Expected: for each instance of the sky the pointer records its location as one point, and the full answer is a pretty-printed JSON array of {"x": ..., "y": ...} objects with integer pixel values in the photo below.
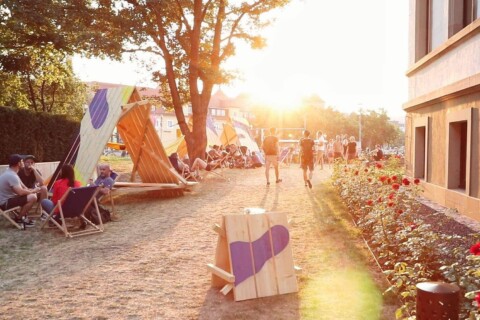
[{"x": 352, "y": 54}]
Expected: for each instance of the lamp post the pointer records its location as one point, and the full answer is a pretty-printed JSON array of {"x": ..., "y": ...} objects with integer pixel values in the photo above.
[{"x": 360, "y": 127}]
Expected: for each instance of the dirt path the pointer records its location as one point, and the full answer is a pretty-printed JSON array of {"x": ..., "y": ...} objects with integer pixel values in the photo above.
[{"x": 151, "y": 264}]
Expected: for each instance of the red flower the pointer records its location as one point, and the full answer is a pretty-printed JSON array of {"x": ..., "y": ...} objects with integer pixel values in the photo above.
[
  {"x": 405, "y": 181},
  {"x": 475, "y": 249},
  {"x": 395, "y": 186},
  {"x": 413, "y": 226},
  {"x": 477, "y": 298},
  {"x": 369, "y": 202},
  {"x": 399, "y": 211},
  {"x": 346, "y": 169},
  {"x": 391, "y": 196},
  {"x": 379, "y": 165},
  {"x": 366, "y": 170},
  {"x": 369, "y": 179},
  {"x": 389, "y": 180},
  {"x": 391, "y": 204},
  {"x": 379, "y": 199},
  {"x": 416, "y": 181},
  {"x": 394, "y": 178},
  {"x": 382, "y": 178},
  {"x": 356, "y": 172}
]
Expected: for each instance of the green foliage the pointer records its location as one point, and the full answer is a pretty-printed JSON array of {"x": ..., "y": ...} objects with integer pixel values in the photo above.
[
  {"x": 45, "y": 136},
  {"x": 194, "y": 39},
  {"x": 385, "y": 207}
]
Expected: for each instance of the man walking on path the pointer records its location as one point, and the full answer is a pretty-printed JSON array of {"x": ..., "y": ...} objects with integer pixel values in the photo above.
[
  {"x": 270, "y": 147},
  {"x": 307, "y": 146}
]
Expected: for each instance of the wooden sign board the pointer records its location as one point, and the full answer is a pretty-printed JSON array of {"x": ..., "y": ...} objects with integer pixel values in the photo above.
[{"x": 254, "y": 256}]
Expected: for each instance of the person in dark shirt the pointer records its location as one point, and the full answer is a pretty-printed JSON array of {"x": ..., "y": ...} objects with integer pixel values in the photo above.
[
  {"x": 307, "y": 147},
  {"x": 270, "y": 148},
  {"x": 32, "y": 178}
]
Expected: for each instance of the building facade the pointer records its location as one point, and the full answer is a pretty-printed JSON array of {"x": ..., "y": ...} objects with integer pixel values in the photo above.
[{"x": 442, "y": 111}]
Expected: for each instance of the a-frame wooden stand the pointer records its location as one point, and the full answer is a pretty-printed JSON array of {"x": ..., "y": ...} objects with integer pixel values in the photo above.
[{"x": 254, "y": 256}]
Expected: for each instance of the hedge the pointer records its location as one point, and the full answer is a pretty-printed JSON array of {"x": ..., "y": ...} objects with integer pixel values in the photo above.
[{"x": 46, "y": 136}]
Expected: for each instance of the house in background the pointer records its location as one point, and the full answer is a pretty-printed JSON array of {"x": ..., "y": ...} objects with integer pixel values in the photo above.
[{"x": 442, "y": 122}]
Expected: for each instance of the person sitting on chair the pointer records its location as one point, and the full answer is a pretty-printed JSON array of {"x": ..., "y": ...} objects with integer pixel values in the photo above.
[
  {"x": 13, "y": 193},
  {"x": 255, "y": 161},
  {"x": 104, "y": 180},
  {"x": 66, "y": 181},
  {"x": 31, "y": 177}
]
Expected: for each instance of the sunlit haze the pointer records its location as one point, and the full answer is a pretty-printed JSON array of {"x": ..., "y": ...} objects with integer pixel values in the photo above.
[{"x": 352, "y": 54}]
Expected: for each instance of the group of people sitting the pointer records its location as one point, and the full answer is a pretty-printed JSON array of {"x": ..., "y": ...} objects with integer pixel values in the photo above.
[
  {"x": 218, "y": 156},
  {"x": 23, "y": 185}
]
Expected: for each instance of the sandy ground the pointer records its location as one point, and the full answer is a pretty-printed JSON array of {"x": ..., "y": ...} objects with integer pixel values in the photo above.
[{"x": 151, "y": 264}]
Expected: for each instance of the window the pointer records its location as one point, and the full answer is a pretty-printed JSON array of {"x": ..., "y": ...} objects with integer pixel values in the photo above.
[
  {"x": 437, "y": 23},
  {"x": 420, "y": 148},
  {"x": 458, "y": 151}
]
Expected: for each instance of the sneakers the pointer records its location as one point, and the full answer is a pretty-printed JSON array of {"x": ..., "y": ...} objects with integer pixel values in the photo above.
[
  {"x": 278, "y": 181},
  {"x": 25, "y": 221},
  {"x": 309, "y": 184},
  {"x": 268, "y": 183},
  {"x": 43, "y": 216}
]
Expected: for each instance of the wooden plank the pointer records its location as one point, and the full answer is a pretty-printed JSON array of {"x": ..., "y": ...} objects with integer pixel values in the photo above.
[
  {"x": 265, "y": 277},
  {"x": 145, "y": 184},
  {"x": 226, "y": 289},
  {"x": 283, "y": 257},
  {"x": 222, "y": 259},
  {"x": 241, "y": 258},
  {"x": 221, "y": 273}
]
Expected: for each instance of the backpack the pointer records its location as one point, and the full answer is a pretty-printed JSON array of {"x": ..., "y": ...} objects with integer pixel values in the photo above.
[{"x": 104, "y": 214}]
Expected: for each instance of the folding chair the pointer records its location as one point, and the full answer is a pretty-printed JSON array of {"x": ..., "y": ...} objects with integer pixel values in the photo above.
[
  {"x": 219, "y": 164},
  {"x": 6, "y": 214},
  {"x": 283, "y": 156},
  {"x": 186, "y": 175},
  {"x": 74, "y": 204}
]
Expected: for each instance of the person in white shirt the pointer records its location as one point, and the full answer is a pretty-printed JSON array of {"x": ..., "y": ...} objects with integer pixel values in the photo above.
[{"x": 322, "y": 142}]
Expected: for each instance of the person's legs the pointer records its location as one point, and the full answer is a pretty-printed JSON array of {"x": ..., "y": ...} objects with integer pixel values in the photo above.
[
  {"x": 47, "y": 205},
  {"x": 320, "y": 159},
  {"x": 268, "y": 162},
  {"x": 43, "y": 194},
  {"x": 310, "y": 167},
  {"x": 31, "y": 199}
]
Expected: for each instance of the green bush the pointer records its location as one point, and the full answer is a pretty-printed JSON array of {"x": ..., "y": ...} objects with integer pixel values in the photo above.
[{"x": 46, "y": 136}]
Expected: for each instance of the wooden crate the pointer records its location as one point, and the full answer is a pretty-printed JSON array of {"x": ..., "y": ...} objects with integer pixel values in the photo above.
[{"x": 254, "y": 256}]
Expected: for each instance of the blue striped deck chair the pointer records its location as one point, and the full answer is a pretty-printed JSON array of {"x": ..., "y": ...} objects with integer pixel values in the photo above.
[
  {"x": 74, "y": 204},
  {"x": 282, "y": 157}
]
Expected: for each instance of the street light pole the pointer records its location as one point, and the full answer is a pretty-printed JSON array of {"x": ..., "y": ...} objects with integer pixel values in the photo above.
[{"x": 360, "y": 127}]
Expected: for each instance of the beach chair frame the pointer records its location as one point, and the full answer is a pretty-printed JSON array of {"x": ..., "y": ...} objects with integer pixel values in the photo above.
[
  {"x": 74, "y": 204},
  {"x": 6, "y": 213}
]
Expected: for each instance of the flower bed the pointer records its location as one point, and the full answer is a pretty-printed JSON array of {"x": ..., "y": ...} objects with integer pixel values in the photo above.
[{"x": 410, "y": 241}]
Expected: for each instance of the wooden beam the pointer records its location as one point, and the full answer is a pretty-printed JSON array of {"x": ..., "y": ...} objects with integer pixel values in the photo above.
[
  {"x": 221, "y": 273},
  {"x": 226, "y": 289}
]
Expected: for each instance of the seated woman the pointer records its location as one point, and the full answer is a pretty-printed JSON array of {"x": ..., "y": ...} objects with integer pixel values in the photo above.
[{"x": 66, "y": 181}]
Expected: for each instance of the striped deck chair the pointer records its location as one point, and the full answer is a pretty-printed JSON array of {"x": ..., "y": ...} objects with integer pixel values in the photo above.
[
  {"x": 74, "y": 204},
  {"x": 283, "y": 156}
]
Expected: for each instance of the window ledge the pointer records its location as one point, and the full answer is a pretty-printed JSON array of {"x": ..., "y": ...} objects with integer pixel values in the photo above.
[{"x": 454, "y": 41}]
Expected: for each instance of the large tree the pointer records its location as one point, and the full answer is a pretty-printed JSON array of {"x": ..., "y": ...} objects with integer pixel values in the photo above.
[
  {"x": 36, "y": 40},
  {"x": 193, "y": 38}
]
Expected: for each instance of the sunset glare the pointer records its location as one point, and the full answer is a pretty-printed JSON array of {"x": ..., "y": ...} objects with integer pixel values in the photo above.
[{"x": 349, "y": 53}]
